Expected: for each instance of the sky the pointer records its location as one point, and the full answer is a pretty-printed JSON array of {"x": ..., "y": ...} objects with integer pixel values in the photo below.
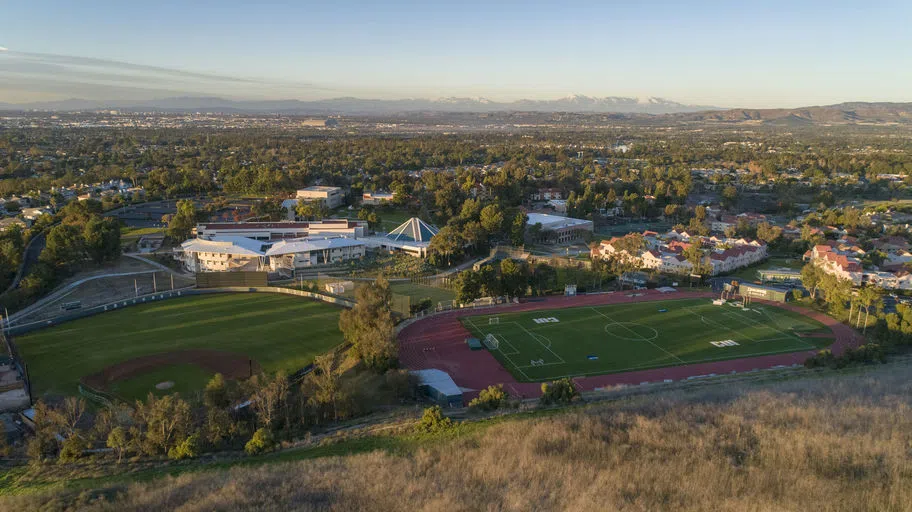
[{"x": 730, "y": 54}]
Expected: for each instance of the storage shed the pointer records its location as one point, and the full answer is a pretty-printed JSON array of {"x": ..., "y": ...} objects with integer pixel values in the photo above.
[{"x": 439, "y": 386}]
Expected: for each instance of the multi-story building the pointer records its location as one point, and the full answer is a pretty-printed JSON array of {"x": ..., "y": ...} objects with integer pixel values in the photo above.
[{"x": 332, "y": 197}]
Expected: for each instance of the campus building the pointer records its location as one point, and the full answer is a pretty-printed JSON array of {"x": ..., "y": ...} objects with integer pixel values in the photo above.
[
  {"x": 411, "y": 237},
  {"x": 237, "y": 253},
  {"x": 560, "y": 230},
  {"x": 376, "y": 198},
  {"x": 332, "y": 197}
]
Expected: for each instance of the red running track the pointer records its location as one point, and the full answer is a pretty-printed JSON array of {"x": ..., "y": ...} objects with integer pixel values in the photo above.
[{"x": 439, "y": 342}]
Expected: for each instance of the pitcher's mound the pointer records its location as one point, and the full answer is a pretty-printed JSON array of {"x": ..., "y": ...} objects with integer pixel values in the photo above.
[{"x": 168, "y": 384}]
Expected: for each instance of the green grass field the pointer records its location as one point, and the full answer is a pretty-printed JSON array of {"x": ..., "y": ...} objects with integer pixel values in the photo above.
[
  {"x": 543, "y": 345},
  {"x": 278, "y": 331}
]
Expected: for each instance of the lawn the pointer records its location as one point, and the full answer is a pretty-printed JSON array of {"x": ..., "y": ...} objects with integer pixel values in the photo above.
[
  {"x": 129, "y": 232},
  {"x": 544, "y": 345},
  {"x": 420, "y": 291},
  {"x": 278, "y": 331}
]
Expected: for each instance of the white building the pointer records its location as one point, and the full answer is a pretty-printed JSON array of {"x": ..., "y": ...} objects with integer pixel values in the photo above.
[
  {"x": 307, "y": 252},
  {"x": 557, "y": 229},
  {"x": 332, "y": 197},
  {"x": 237, "y": 253},
  {"x": 376, "y": 198},
  {"x": 411, "y": 237},
  {"x": 226, "y": 254}
]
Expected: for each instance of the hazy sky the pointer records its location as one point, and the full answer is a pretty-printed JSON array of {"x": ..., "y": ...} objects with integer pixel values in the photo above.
[{"x": 732, "y": 53}]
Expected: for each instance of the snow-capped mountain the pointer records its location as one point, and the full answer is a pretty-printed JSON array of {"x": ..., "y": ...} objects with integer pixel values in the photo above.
[{"x": 575, "y": 103}]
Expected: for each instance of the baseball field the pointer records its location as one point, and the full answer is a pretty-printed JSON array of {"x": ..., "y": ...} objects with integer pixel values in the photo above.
[
  {"x": 178, "y": 344},
  {"x": 548, "y": 344}
]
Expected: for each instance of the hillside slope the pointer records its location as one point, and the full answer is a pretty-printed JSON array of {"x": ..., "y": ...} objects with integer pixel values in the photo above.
[
  {"x": 843, "y": 113},
  {"x": 838, "y": 442}
]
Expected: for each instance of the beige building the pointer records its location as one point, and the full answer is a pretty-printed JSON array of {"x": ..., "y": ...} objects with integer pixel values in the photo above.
[{"x": 332, "y": 197}]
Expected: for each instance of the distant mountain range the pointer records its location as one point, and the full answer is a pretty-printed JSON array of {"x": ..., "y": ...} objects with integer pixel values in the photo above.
[
  {"x": 357, "y": 106},
  {"x": 656, "y": 109},
  {"x": 842, "y": 113}
]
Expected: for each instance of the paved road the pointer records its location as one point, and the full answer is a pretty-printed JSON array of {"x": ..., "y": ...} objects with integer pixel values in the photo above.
[{"x": 29, "y": 259}]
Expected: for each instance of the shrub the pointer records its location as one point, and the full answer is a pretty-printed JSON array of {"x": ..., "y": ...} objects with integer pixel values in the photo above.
[
  {"x": 822, "y": 359},
  {"x": 261, "y": 441},
  {"x": 559, "y": 392},
  {"x": 187, "y": 449},
  {"x": 490, "y": 399},
  {"x": 433, "y": 420}
]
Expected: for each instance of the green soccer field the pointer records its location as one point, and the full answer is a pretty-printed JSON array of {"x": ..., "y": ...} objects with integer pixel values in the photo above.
[
  {"x": 278, "y": 331},
  {"x": 543, "y": 345}
]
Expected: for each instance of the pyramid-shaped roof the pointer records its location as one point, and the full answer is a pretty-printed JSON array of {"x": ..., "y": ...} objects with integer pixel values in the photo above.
[{"x": 413, "y": 230}]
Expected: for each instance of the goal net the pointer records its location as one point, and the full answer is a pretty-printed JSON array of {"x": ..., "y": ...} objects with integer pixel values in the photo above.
[
  {"x": 494, "y": 320},
  {"x": 491, "y": 342}
]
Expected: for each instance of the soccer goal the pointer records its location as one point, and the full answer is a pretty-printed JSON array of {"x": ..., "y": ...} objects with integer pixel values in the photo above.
[
  {"x": 491, "y": 342},
  {"x": 494, "y": 320}
]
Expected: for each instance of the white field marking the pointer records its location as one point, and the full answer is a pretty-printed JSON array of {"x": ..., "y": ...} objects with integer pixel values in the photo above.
[
  {"x": 650, "y": 366},
  {"x": 548, "y": 320},
  {"x": 710, "y": 322},
  {"x": 513, "y": 364},
  {"x": 561, "y": 359},
  {"x": 540, "y": 365},
  {"x": 635, "y": 334},
  {"x": 543, "y": 337},
  {"x": 781, "y": 332},
  {"x": 724, "y": 343}
]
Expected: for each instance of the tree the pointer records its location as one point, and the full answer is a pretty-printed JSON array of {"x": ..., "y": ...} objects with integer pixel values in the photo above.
[
  {"x": 810, "y": 278},
  {"x": 768, "y": 233},
  {"x": 311, "y": 209},
  {"x": 269, "y": 398},
  {"x": 492, "y": 219},
  {"x": 102, "y": 239},
  {"x": 518, "y": 229},
  {"x": 189, "y": 448},
  {"x": 468, "y": 286},
  {"x": 183, "y": 222},
  {"x": 269, "y": 209},
  {"x": 869, "y": 297},
  {"x": 369, "y": 325},
  {"x": 325, "y": 380},
  {"x": 730, "y": 196},
  {"x": 445, "y": 246},
  {"x": 63, "y": 247},
  {"x": 119, "y": 441},
  {"x": 215, "y": 394},
  {"x": 515, "y": 277},
  {"x": 165, "y": 420}
]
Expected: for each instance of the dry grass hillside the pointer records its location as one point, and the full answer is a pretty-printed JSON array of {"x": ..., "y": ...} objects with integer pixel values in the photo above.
[{"x": 823, "y": 444}]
